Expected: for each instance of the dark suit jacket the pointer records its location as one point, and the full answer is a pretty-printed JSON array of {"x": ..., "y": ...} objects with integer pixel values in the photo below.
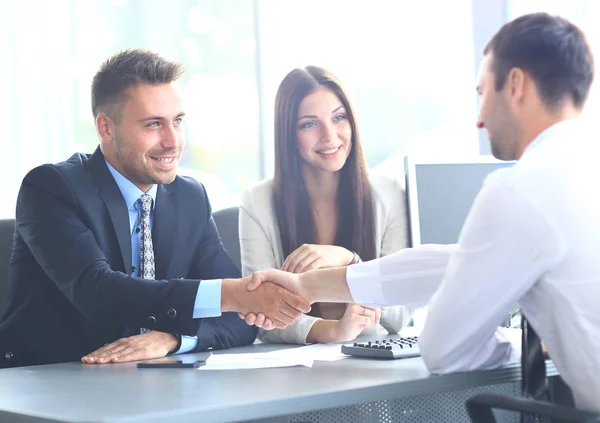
[{"x": 69, "y": 286}]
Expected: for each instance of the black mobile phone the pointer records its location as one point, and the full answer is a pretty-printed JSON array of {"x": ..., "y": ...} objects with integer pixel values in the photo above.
[
  {"x": 170, "y": 364},
  {"x": 192, "y": 362}
]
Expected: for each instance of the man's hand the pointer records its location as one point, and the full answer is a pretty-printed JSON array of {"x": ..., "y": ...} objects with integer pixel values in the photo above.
[
  {"x": 278, "y": 304},
  {"x": 289, "y": 281},
  {"x": 146, "y": 346},
  {"x": 317, "y": 285},
  {"x": 313, "y": 256}
]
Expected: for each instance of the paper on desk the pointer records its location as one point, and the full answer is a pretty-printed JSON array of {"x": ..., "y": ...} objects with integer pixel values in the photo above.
[
  {"x": 317, "y": 352},
  {"x": 252, "y": 361}
]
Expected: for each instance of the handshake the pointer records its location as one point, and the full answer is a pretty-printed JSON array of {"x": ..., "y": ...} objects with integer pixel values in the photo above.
[{"x": 274, "y": 298}]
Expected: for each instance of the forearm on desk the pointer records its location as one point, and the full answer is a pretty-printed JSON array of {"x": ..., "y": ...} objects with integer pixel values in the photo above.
[{"x": 395, "y": 318}]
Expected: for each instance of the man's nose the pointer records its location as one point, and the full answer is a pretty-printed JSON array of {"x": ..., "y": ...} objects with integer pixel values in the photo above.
[{"x": 170, "y": 138}]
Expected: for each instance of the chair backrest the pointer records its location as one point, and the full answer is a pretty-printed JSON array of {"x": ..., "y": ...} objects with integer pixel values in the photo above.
[
  {"x": 228, "y": 227},
  {"x": 7, "y": 228}
]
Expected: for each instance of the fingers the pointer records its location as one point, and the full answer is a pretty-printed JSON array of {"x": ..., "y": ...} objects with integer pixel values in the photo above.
[
  {"x": 260, "y": 320},
  {"x": 373, "y": 313},
  {"x": 285, "y": 307},
  {"x": 268, "y": 325},
  {"x": 250, "y": 318},
  {"x": 103, "y": 354},
  {"x": 290, "y": 262},
  {"x": 312, "y": 262},
  {"x": 377, "y": 315},
  {"x": 298, "y": 304},
  {"x": 150, "y": 345},
  {"x": 257, "y": 278}
]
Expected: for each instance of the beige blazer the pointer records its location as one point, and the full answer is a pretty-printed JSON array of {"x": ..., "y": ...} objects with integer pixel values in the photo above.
[{"x": 260, "y": 245}]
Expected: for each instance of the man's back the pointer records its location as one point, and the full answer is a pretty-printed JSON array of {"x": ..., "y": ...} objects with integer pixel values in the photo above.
[{"x": 559, "y": 176}]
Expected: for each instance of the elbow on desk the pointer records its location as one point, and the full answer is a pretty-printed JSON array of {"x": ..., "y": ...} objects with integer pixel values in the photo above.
[{"x": 439, "y": 358}]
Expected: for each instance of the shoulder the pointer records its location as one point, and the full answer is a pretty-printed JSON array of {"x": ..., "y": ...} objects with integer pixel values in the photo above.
[
  {"x": 187, "y": 184},
  {"x": 259, "y": 196},
  {"x": 187, "y": 193},
  {"x": 72, "y": 169}
]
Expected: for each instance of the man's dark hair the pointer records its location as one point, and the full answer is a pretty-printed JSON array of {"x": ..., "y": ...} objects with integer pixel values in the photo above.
[
  {"x": 552, "y": 50},
  {"x": 124, "y": 69}
]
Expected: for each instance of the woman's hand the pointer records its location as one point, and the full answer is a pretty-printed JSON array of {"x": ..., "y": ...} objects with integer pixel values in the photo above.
[
  {"x": 354, "y": 321},
  {"x": 313, "y": 256}
]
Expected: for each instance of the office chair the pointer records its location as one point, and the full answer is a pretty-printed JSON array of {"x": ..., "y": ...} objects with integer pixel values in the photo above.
[
  {"x": 228, "y": 227},
  {"x": 534, "y": 384},
  {"x": 7, "y": 228},
  {"x": 480, "y": 409}
]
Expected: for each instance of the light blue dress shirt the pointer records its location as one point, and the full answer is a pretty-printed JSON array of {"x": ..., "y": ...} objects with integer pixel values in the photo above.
[{"x": 208, "y": 297}]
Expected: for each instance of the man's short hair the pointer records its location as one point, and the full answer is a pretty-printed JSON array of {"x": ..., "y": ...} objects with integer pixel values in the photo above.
[
  {"x": 552, "y": 50},
  {"x": 124, "y": 69}
]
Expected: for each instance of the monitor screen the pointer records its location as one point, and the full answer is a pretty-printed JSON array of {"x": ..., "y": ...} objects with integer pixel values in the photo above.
[{"x": 441, "y": 194}]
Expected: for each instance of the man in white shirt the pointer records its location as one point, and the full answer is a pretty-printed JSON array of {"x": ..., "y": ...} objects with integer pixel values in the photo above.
[{"x": 531, "y": 236}]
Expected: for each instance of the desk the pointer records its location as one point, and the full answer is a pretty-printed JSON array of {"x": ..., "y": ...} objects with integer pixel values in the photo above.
[{"x": 349, "y": 390}]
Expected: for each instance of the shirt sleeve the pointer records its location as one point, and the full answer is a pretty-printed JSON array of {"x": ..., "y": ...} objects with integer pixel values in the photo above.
[
  {"x": 505, "y": 246},
  {"x": 208, "y": 299},
  {"x": 395, "y": 238},
  {"x": 188, "y": 343},
  {"x": 207, "y": 304},
  {"x": 409, "y": 277}
]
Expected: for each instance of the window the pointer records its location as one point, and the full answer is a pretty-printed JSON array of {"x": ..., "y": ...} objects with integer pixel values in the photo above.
[{"x": 408, "y": 71}]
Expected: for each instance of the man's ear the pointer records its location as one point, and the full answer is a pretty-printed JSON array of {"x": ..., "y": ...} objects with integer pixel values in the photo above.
[
  {"x": 516, "y": 83},
  {"x": 106, "y": 128}
]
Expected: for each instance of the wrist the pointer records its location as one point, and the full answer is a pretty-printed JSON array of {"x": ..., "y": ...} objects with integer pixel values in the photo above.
[
  {"x": 177, "y": 345},
  {"x": 309, "y": 282},
  {"x": 323, "y": 331},
  {"x": 229, "y": 291},
  {"x": 355, "y": 258},
  {"x": 348, "y": 257}
]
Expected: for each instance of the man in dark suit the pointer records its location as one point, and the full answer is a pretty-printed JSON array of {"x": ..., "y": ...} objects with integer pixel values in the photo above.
[{"x": 116, "y": 258}]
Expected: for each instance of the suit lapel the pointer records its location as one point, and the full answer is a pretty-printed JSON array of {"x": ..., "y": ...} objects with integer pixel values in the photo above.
[
  {"x": 115, "y": 204},
  {"x": 164, "y": 230}
]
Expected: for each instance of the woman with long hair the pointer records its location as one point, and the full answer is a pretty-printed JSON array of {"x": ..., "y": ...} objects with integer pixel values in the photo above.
[{"x": 321, "y": 208}]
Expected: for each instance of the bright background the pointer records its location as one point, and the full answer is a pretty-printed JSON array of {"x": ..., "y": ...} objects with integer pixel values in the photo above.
[{"x": 410, "y": 69}]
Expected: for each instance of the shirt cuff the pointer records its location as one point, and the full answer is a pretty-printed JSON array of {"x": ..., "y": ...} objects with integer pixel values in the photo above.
[
  {"x": 188, "y": 343},
  {"x": 364, "y": 282},
  {"x": 208, "y": 299}
]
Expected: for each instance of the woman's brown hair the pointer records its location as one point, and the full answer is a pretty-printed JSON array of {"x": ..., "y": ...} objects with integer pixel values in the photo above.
[{"x": 355, "y": 227}]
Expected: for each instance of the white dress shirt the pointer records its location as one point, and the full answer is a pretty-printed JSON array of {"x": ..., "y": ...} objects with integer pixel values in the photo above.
[
  {"x": 261, "y": 245},
  {"x": 533, "y": 236}
]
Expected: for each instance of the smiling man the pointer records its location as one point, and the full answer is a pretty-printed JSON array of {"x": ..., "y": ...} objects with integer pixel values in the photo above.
[{"x": 115, "y": 257}]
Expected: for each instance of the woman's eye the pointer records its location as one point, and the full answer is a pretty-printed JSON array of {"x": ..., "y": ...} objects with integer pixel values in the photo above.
[{"x": 307, "y": 125}]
